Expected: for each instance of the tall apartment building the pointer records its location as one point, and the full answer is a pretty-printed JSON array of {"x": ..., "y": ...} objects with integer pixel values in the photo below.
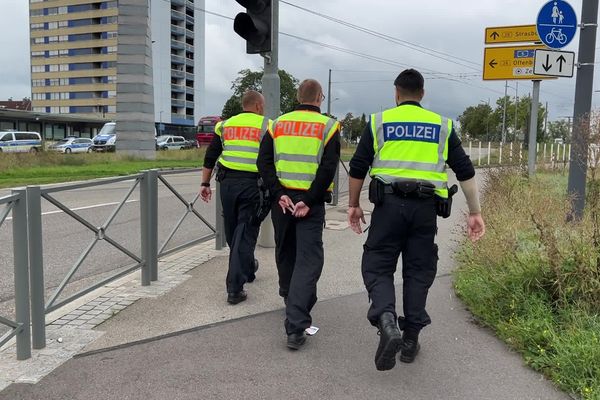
[{"x": 74, "y": 56}]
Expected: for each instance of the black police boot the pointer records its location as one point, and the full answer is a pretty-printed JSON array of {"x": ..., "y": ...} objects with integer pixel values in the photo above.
[
  {"x": 235, "y": 298},
  {"x": 410, "y": 348},
  {"x": 296, "y": 340},
  {"x": 390, "y": 341},
  {"x": 252, "y": 277}
]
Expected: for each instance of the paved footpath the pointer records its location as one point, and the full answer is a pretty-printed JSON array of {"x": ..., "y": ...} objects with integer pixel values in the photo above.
[{"x": 179, "y": 339}]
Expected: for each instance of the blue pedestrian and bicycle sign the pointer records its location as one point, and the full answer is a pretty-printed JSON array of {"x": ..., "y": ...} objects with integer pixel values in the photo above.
[{"x": 557, "y": 24}]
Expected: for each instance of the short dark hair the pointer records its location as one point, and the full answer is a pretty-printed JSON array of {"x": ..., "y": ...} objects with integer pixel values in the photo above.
[{"x": 410, "y": 81}]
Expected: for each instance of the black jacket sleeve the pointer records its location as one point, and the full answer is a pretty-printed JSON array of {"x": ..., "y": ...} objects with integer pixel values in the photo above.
[
  {"x": 213, "y": 152},
  {"x": 458, "y": 160},
  {"x": 325, "y": 172},
  {"x": 363, "y": 156},
  {"x": 266, "y": 167}
]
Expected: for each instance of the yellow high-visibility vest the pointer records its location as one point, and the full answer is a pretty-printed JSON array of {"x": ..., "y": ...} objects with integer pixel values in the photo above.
[
  {"x": 299, "y": 140},
  {"x": 241, "y": 136},
  {"x": 411, "y": 143}
]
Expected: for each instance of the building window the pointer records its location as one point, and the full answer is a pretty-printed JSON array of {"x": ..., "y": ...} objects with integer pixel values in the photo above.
[
  {"x": 112, "y": 20},
  {"x": 37, "y": 27},
  {"x": 81, "y": 22},
  {"x": 63, "y": 38},
  {"x": 52, "y": 11},
  {"x": 37, "y": 54},
  {"x": 63, "y": 52},
  {"x": 36, "y": 13},
  {"x": 112, "y": 4},
  {"x": 112, "y": 109},
  {"x": 111, "y": 35},
  {"x": 63, "y": 24},
  {"x": 52, "y": 25},
  {"x": 63, "y": 67},
  {"x": 111, "y": 49},
  {"x": 38, "y": 68},
  {"x": 54, "y": 110},
  {"x": 53, "y": 67},
  {"x": 112, "y": 93},
  {"x": 39, "y": 109},
  {"x": 64, "y": 81},
  {"x": 38, "y": 82},
  {"x": 112, "y": 79},
  {"x": 52, "y": 39},
  {"x": 63, "y": 10},
  {"x": 64, "y": 96},
  {"x": 52, "y": 53},
  {"x": 64, "y": 110},
  {"x": 38, "y": 40},
  {"x": 53, "y": 82},
  {"x": 39, "y": 96}
]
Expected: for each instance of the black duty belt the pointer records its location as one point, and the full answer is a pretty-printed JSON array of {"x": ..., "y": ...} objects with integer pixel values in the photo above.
[{"x": 410, "y": 189}]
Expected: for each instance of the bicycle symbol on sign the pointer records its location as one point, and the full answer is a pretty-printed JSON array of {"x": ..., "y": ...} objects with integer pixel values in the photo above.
[{"x": 556, "y": 34}]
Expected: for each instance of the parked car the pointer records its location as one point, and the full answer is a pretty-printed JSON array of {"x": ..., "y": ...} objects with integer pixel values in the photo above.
[
  {"x": 169, "y": 142},
  {"x": 20, "y": 142},
  {"x": 105, "y": 139},
  {"x": 72, "y": 145}
]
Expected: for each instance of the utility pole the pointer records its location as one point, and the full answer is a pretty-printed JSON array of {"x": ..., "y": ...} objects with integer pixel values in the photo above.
[
  {"x": 546, "y": 121},
  {"x": 271, "y": 85},
  {"x": 336, "y": 179},
  {"x": 533, "y": 122},
  {"x": 583, "y": 104},
  {"x": 504, "y": 112},
  {"x": 516, "y": 108}
]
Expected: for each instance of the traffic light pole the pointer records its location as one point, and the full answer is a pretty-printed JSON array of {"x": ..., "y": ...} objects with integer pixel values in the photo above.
[
  {"x": 583, "y": 104},
  {"x": 272, "y": 91}
]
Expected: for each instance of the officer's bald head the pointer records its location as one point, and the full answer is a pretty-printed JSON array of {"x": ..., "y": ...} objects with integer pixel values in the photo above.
[
  {"x": 254, "y": 102},
  {"x": 410, "y": 85},
  {"x": 310, "y": 92}
]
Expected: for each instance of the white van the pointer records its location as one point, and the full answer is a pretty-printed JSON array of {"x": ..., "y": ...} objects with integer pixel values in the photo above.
[{"x": 20, "y": 142}]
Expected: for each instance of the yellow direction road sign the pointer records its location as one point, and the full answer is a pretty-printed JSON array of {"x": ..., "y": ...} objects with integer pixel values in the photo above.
[
  {"x": 511, "y": 34},
  {"x": 508, "y": 63}
]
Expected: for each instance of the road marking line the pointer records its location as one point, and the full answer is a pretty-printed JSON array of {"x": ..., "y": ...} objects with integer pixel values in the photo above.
[{"x": 83, "y": 208}]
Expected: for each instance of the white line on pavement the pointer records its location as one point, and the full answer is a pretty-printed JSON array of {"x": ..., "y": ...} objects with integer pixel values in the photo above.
[{"x": 84, "y": 208}]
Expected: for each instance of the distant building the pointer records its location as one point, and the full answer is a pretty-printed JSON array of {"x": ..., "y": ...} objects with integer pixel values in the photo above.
[
  {"x": 74, "y": 57},
  {"x": 10, "y": 104}
]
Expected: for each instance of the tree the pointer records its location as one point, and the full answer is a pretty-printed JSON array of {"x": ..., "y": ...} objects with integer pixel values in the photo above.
[
  {"x": 252, "y": 80},
  {"x": 559, "y": 130},
  {"x": 475, "y": 120}
]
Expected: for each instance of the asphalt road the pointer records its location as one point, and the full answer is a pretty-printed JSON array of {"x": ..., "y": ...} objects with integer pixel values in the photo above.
[{"x": 64, "y": 239}]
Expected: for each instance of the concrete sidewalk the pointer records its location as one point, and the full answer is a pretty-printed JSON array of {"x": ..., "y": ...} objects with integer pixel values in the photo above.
[{"x": 188, "y": 343}]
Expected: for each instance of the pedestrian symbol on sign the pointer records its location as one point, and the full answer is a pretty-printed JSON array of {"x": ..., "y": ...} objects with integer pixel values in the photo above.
[{"x": 556, "y": 24}]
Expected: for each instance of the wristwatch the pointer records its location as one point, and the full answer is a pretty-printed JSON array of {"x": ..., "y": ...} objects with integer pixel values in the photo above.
[{"x": 205, "y": 184}]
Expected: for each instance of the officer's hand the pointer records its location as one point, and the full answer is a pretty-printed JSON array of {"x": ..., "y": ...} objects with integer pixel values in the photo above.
[
  {"x": 355, "y": 216},
  {"x": 205, "y": 193},
  {"x": 476, "y": 227},
  {"x": 286, "y": 204},
  {"x": 301, "y": 210}
]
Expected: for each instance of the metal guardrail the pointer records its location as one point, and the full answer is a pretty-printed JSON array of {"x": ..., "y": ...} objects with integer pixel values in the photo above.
[
  {"x": 25, "y": 205},
  {"x": 16, "y": 205}
]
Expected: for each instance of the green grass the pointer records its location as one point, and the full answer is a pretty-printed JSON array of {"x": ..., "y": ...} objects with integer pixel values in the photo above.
[
  {"x": 535, "y": 279},
  {"x": 45, "y": 167}
]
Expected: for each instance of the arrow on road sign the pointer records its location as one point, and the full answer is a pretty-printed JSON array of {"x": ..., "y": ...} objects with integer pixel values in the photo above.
[
  {"x": 493, "y": 63},
  {"x": 561, "y": 60},
  {"x": 494, "y": 35},
  {"x": 554, "y": 63},
  {"x": 547, "y": 66}
]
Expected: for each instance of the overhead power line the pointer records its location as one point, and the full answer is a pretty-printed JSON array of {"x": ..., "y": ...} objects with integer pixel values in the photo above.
[{"x": 422, "y": 49}]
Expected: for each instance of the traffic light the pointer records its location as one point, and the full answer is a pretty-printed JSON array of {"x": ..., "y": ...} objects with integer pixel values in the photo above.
[{"x": 255, "y": 25}]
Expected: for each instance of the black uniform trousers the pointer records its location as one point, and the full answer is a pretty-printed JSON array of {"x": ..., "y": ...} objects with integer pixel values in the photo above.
[
  {"x": 239, "y": 197},
  {"x": 404, "y": 226},
  {"x": 299, "y": 257}
]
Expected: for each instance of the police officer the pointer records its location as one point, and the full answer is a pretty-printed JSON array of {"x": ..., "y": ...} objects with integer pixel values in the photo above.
[
  {"x": 406, "y": 149},
  {"x": 297, "y": 161},
  {"x": 235, "y": 146}
]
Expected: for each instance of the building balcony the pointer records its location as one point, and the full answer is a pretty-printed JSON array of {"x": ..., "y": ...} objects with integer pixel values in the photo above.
[
  {"x": 189, "y": 20},
  {"x": 178, "y": 2},
  {"x": 189, "y": 61},
  {"x": 176, "y": 44},
  {"x": 177, "y": 15},
  {"x": 189, "y": 104},
  {"x": 177, "y": 59},
  {"x": 189, "y": 47},
  {"x": 189, "y": 33},
  {"x": 177, "y": 30},
  {"x": 177, "y": 88},
  {"x": 189, "y": 76},
  {"x": 175, "y": 73},
  {"x": 177, "y": 103}
]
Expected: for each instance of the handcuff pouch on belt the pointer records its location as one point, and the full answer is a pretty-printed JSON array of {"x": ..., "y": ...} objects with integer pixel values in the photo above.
[
  {"x": 263, "y": 206},
  {"x": 443, "y": 207},
  {"x": 219, "y": 173}
]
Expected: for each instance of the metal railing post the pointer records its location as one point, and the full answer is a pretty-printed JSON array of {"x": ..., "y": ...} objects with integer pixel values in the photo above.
[
  {"x": 336, "y": 187},
  {"x": 36, "y": 267},
  {"x": 220, "y": 240},
  {"x": 21, "y": 265},
  {"x": 149, "y": 226}
]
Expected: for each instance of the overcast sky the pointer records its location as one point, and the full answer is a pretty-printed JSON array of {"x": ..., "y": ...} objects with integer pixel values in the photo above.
[{"x": 360, "y": 85}]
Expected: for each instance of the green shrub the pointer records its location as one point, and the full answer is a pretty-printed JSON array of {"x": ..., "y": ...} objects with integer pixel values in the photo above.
[{"x": 535, "y": 278}]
